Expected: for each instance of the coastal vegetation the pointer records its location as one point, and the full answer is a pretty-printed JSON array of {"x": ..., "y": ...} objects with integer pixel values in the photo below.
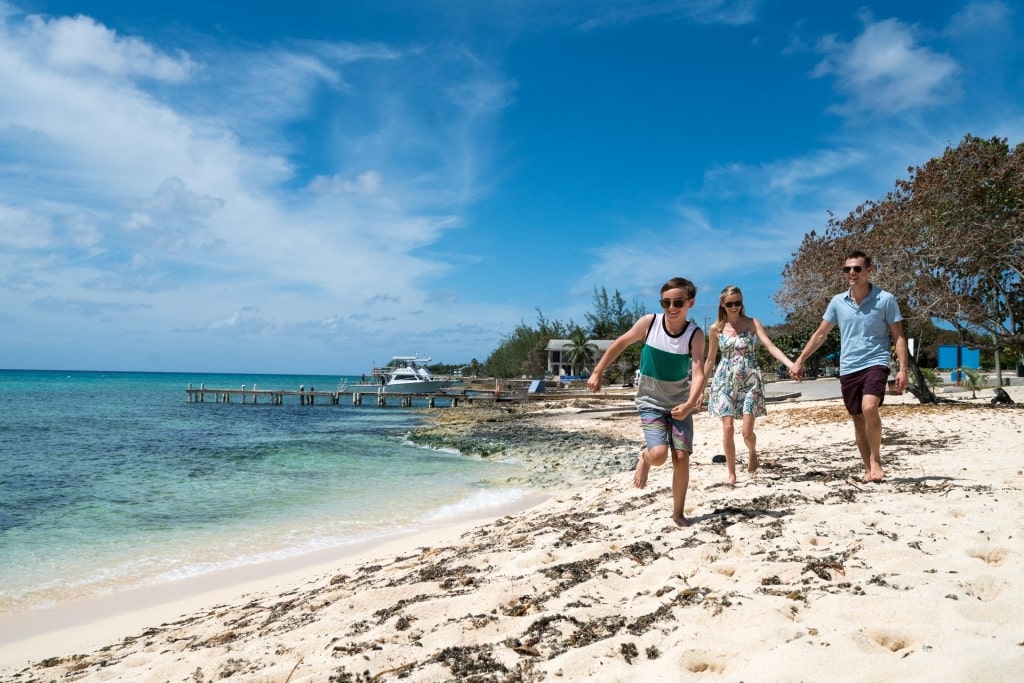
[
  {"x": 948, "y": 241},
  {"x": 524, "y": 351}
]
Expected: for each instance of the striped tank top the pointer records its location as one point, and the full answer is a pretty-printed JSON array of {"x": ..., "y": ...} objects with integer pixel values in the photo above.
[{"x": 664, "y": 366}]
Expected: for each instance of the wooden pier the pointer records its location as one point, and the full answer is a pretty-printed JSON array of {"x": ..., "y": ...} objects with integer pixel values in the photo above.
[{"x": 309, "y": 397}]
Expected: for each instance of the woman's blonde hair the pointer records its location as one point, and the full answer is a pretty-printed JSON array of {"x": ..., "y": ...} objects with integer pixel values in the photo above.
[{"x": 729, "y": 291}]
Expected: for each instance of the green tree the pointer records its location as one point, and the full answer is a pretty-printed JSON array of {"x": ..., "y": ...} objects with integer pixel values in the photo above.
[
  {"x": 948, "y": 242},
  {"x": 580, "y": 350},
  {"x": 931, "y": 378},
  {"x": 523, "y": 352},
  {"x": 974, "y": 380},
  {"x": 611, "y": 316}
]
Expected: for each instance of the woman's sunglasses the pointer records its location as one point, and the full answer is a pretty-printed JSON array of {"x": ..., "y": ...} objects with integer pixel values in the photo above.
[
  {"x": 732, "y": 304},
  {"x": 673, "y": 303}
]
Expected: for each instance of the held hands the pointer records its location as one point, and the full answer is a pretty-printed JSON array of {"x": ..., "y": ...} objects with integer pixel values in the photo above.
[{"x": 796, "y": 371}]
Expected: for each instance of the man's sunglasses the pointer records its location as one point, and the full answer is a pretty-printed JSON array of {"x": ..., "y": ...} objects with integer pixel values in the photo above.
[
  {"x": 856, "y": 269},
  {"x": 673, "y": 303}
]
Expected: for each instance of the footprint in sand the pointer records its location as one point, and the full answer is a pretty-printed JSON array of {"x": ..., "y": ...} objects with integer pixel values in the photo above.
[
  {"x": 993, "y": 556},
  {"x": 893, "y": 641},
  {"x": 985, "y": 588},
  {"x": 819, "y": 541},
  {"x": 702, "y": 662}
]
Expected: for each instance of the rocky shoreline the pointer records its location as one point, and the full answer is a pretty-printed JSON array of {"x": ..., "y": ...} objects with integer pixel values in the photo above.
[{"x": 558, "y": 444}]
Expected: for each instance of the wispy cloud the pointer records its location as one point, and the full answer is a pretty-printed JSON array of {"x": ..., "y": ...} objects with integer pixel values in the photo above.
[
  {"x": 786, "y": 178},
  {"x": 980, "y": 19},
  {"x": 726, "y": 12},
  {"x": 84, "y": 308}
]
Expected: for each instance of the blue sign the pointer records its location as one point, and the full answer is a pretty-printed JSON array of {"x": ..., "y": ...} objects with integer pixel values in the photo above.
[{"x": 969, "y": 358}]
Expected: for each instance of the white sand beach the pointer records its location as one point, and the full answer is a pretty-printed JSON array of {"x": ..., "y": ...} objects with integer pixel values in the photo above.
[{"x": 802, "y": 572}]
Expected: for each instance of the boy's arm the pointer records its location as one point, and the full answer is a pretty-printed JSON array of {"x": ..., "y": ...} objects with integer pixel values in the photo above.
[
  {"x": 633, "y": 335},
  {"x": 696, "y": 377}
]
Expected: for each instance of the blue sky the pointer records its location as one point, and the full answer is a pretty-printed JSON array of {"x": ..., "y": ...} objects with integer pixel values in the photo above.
[{"x": 314, "y": 187}]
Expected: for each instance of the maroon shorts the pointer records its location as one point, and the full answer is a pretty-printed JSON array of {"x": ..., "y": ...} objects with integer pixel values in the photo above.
[{"x": 871, "y": 381}]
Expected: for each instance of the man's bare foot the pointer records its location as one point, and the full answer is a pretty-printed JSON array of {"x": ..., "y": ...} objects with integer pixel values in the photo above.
[
  {"x": 642, "y": 468},
  {"x": 752, "y": 464},
  {"x": 680, "y": 520}
]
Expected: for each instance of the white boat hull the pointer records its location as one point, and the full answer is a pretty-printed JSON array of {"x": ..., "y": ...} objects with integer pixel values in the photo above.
[
  {"x": 417, "y": 387},
  {"x": 405, "y": 378}
]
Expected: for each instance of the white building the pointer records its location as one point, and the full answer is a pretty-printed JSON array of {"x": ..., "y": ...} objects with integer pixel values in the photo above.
[{"x": 558, "y": 355}]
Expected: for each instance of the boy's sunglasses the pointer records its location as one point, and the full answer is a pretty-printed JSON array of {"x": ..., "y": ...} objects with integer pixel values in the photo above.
[
  {"x": 673, "y": 303},
  {"x": 856, "y": 269}
]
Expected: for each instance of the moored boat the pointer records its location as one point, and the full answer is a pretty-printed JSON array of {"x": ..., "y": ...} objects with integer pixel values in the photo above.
[{"x": 404, "y": 375}]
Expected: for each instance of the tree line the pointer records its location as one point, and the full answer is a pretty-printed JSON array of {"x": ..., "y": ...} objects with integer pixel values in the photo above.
[{"x": 523, "y": 352}]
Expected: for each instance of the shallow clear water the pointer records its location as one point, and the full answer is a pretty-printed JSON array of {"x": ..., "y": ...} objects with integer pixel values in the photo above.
[{"x": 112, "y": 480}]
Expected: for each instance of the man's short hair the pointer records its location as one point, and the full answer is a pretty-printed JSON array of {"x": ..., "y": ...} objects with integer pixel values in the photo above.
[{"x": 857, "y": 253}]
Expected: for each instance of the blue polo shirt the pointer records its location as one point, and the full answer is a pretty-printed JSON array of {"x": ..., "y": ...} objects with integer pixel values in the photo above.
[{"x": 864, "y": 329}]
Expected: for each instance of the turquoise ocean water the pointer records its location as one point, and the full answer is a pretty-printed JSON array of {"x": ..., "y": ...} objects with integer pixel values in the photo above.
[{"x": 114, "y": 480}]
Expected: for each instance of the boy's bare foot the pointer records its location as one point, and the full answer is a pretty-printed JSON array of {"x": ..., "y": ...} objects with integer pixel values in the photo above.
[
  {"x": 680, "y": 520},
  {"x": 642, "y": 468},
  {"x": 752, "y": 464}
]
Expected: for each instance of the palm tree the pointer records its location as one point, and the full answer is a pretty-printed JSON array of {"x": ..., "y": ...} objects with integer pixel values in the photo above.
[
  {"x": 974, "y": 381},
  {"x": 580, "y": 350}
]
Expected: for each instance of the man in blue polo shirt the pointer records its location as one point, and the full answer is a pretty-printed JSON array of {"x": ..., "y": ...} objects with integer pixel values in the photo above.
[{"x": 866, "y": 316}]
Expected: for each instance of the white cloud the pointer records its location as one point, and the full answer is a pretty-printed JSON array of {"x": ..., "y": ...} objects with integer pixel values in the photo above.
[
  {"x": 83, "y": 307},
  {"x": 78, "y": 45},
  {"x": 612, "y": 13},
  {"x": 23, "y": 229},
  {"x": 886, "y": 70},
  {"x": 367, "y": 183},
  {"x": 980, "y": 19},
  {"x": 786, "y": 177}
]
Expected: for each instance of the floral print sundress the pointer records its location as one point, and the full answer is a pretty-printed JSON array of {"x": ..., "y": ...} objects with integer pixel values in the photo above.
[{"x": 737, "y": 389}]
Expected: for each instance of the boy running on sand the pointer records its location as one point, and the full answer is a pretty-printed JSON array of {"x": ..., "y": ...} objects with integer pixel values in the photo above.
[{"x": 669, "y": 387}]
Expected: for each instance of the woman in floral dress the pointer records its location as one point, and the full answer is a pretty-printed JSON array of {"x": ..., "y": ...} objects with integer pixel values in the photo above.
[{"x": 737, "y": 388}]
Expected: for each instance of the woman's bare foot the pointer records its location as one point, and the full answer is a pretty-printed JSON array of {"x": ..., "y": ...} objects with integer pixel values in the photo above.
[
  {"x": 680, "y": 520},
  {"x": 874, "y": 475},
  {"x": 752, "y": 464},
  {"x": 642, "y": 468},
  {"x": 731, "y": 479}
]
